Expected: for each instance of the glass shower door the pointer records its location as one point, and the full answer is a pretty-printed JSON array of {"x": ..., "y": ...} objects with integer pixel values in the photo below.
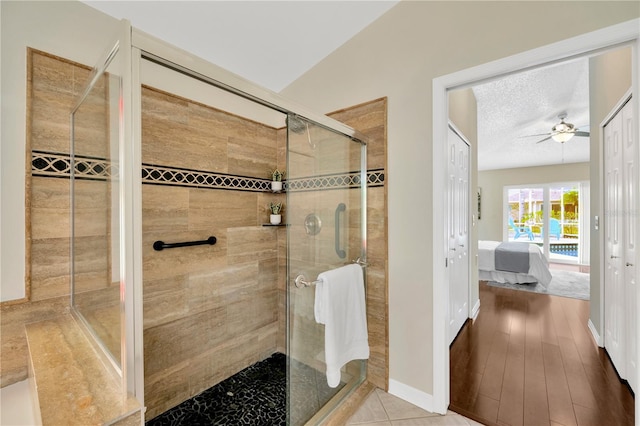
[
  {"x": 326, "y": 218},
  {"x": 102, "y": 177}
]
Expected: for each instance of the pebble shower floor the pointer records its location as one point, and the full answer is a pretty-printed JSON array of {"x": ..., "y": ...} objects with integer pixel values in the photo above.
[{"x": 255, "y": 396}]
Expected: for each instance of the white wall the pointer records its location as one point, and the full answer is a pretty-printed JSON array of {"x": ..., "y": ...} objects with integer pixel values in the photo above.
[
  {"x": 492, "y": 183},
  {"x": 398, "y": 56},
  {"x": 69, "y": 29}
]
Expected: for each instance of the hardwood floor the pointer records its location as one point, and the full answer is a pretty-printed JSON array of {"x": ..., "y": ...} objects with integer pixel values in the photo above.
[{"x": 529, "y": 359}]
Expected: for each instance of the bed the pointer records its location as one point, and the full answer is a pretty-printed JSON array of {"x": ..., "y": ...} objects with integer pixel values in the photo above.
[{"x": 512, "y": 265}]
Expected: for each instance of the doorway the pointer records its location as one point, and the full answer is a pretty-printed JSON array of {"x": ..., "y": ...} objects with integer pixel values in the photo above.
[{"x": 584, "y": 45}]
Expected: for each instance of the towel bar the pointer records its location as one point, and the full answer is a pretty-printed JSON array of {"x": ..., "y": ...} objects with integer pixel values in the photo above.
[
  {"x": 360, "y": 262},
  {"x": 301, "y": 280}
]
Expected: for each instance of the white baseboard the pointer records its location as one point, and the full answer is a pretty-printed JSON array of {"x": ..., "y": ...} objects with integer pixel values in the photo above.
[
  {"x": 594, "y": 333},
  {"x": 412, "y": 395},
  {"x": 475, "y": 310}
]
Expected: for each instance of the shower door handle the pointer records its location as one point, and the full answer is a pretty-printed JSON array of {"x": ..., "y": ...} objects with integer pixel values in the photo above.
[{"x": 341, "y": 208}]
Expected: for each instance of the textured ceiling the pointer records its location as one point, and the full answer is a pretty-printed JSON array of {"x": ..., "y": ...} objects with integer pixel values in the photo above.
[
  {"x": 528, "y": 103},
  {"x": 271, "y": 43}
]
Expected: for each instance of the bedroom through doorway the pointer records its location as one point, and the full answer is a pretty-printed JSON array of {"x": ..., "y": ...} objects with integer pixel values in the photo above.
[
  {"x": 620, "y": 40},
  {"x": 565, "y": 175}
]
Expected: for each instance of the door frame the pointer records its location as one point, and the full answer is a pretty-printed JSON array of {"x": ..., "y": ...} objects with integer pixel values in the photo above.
[{"x": 582, "y": 45}]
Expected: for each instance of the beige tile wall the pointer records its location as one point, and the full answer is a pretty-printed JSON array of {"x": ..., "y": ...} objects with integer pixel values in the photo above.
[{"x": 209, "y": 311}]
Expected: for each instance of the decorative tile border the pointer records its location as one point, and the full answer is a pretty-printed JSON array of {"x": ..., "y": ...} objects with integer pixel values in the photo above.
[
  {"x": 337, "y": 181},
  {"x": 375, "y": 178},
  {"x": 58, "y": 165},
  {"x": 161, "y": 175},
  {"x": 51, "y": 164}
]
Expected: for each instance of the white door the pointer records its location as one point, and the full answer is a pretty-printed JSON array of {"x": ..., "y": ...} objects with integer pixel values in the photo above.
[
  {"x": 458, "y": 232},
  {"x": 614, "y": 288},
  {"x": 630, "y": 234}
]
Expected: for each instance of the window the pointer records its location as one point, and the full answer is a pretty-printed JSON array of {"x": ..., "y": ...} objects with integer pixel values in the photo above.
[{"x": 567, "y": 239}]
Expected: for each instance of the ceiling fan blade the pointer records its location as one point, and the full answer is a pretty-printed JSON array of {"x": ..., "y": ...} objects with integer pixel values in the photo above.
[
  {"x": 580, "y": 133},
  {"x": 529, "y": 136},
  {"x": 545, "y": 139}
]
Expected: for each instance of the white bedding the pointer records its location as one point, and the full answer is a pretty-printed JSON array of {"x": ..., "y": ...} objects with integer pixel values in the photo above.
[{"x": 538, "y": 266}]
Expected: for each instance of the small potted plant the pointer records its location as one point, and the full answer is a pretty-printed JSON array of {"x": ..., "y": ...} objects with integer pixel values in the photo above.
[
  {"x": 276, "y": 210},
  {"x": 276, "y": 180}
]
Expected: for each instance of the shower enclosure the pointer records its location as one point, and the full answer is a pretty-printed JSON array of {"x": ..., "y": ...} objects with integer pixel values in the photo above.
[{"x": 183, "y": 151}]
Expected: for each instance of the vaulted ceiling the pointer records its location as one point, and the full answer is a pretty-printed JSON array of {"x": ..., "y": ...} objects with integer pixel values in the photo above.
[{"x": 272, "y": 43}]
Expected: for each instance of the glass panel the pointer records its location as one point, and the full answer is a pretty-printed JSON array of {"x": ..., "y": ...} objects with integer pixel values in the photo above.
[
  {"x": 524, "y": 220},
  {"x": 323, "y": 214},
  {"x": 564, "y": 230},
  {"x": 95, "y": 202}
]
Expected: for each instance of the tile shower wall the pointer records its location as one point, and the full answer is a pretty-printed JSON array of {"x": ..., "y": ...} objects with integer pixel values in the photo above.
[{"x": 209, "y": 311}]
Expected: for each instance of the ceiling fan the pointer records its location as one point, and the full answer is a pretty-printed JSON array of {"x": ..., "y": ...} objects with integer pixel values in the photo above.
[{"x": 562, "y": 131}]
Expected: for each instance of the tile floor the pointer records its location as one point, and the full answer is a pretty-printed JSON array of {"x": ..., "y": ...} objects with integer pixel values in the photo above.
[
  {"x": 380, "y": 409},
  {"x": 383, "y": 409}
]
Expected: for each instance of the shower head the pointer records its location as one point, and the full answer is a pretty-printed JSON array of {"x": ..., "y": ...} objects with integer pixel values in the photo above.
[
  {"x": 296, "y": 124},
  {"x": 300, "y": 125}
]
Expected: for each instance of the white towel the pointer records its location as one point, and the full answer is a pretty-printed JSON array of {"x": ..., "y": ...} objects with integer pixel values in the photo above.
[{"x": 340, "y": 306}]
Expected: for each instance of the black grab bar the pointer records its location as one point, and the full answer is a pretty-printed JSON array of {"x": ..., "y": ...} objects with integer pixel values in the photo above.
[{"x": 160, "y": 245}]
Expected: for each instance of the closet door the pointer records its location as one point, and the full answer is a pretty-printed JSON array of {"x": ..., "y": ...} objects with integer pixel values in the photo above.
[
  {"x": 620, "y": 286},
  {"x": 614, "y": 309},
  {"x": 458, "y": 232}
]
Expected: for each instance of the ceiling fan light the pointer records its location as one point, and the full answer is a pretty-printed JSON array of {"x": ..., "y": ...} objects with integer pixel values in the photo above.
[
  {"x": 563, "y": 127},
  {"x": 562, "y": 137}
]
